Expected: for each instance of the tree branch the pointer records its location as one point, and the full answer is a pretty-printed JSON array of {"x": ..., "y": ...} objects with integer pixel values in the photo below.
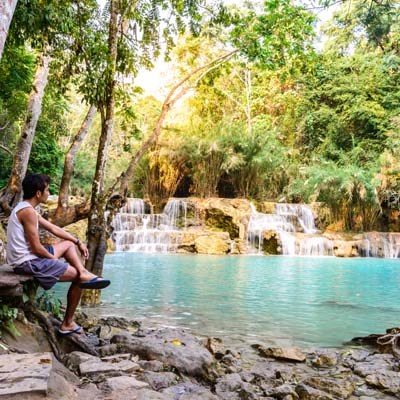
[{"x": 6, "y": 149}]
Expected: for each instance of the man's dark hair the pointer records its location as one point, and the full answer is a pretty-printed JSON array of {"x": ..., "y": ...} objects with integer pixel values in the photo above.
[{"x": 33, "y": 183}]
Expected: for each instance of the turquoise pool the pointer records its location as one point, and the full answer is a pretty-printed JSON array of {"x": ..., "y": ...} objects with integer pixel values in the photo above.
[{"x": 275, "y": 300}]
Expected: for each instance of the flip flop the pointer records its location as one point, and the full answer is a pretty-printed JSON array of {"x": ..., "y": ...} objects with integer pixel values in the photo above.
[
  {"x": 95, "y": 283},
  {"x": 69, "y": 332}
]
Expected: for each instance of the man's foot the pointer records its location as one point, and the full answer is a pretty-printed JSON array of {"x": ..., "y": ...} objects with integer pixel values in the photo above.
[
  {"x": 95, "y": 283},
  {"x": 85, "y": 276},
  {"x": 69, "y": 329}
]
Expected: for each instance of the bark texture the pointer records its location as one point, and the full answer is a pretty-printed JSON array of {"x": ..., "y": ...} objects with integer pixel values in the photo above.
[
  {"x": 12, "y": 193},
  {"x": 62, "y": 207},
  {"x": 7, "y": 8},
  {"x": 70, "y": 215},
  {"x": 97, "y": 235}
]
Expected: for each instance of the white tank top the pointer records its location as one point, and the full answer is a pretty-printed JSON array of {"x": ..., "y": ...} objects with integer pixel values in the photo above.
[{"x": 18, "y": 249}]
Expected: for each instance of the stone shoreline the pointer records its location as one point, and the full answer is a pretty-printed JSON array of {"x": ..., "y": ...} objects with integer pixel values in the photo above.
[{"x": 123, "y": 360}]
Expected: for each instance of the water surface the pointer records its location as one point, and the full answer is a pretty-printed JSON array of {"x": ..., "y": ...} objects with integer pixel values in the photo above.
[{"x": 276, "y": 300}]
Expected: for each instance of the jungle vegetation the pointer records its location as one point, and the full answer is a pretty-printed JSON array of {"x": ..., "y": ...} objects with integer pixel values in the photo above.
[{"x": 261, "y": 100}]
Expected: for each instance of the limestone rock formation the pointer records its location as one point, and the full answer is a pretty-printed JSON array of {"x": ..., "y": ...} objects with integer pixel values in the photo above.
[{"x": 175, "y": 348}]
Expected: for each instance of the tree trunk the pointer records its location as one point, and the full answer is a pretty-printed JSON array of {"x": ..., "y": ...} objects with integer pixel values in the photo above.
[
  {"x": 12, "y": 193},
  {"x": 7, "y": 8},
  {"x": 63, "y": 194},
  {"x": 97, "y": 228},
  {"x": 70, "y": 215}
]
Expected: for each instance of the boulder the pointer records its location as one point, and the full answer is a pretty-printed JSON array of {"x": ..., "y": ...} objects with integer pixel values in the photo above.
[
  {"x": 34, "y": 337},
  {"x": 74, "y": 359},
  {"x": 11, "y": 284},
  {"x": 342, "y": 248},
  {"x": 282, "y": 391},
  {"x": 173, "y": 347},
  {"x": 97, "y": 369},
  {"x": 270, "y": 242},
  {"x": 190, "y": 391},
  {"x": 309, "y": 393},
  {"x": 160, "y": 380},
  {"x": 24, "y": 376},
  {"x": 213, "y": 243},
  {"x": 202, "y": 242},
  {"x": 288, "y": 353},
  {"x": 228, "y": 215},
  {"x": 155, "y": 366},
  {"x": 342, "y": 388},
  {"x": 119, "y": 383},
  {"x": 325, "y": 359},
  {"x": 215, "y": 347},
  {"x": 148, "y": 394},
  {"x": 232, "y": 387}
]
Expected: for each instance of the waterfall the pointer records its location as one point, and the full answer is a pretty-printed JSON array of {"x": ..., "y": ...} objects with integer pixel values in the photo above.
[
  {"x": 316, "y": 246},
  {"x": 303, "y": 214},
  {"x": 136, "y": 231},
  {"x": 288, "y": 222},
  {"x": 381, "y": 244}
]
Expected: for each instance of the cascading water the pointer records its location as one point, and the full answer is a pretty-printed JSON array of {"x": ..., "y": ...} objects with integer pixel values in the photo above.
[
  {"x": 294, "y": 223},
  {"x": 303, "y": 214},
  {"x": 136, "y": 231},
  {"x": 381, "y": 244},
  {"x": 289, "y": 231}
]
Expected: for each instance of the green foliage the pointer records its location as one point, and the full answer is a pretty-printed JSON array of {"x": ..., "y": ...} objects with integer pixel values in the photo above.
[
  {"x": 350, "y": 191},
  {"x": 279, "y": 121},
  {"x": 7, "y": 317},
  {"x": 279, "y": 37},
  {"x": 47, "y": 301},
  {"x": 365, "y": 25}
]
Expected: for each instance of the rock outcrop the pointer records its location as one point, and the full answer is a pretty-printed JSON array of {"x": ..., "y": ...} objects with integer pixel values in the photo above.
[
  {"x": 12, "y": 284},
  {"x": 173, "y": 364},
  {"x": 175, "y": 348}
]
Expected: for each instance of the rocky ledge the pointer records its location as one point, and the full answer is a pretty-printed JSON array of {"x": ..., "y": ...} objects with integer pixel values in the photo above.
[{"x": 130, "y": 362}]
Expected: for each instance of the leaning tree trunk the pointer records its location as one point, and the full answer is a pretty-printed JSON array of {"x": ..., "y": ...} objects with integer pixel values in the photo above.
[
  {"x": 96, "y": 235},
  {"x": 114, "y": 198},
  {"x": 63, "y": 194},
  {"x": 7, "y": 8},
  {"x": 12, "y": 193}
]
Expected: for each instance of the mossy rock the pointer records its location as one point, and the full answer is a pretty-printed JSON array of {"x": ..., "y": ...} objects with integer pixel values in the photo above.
[
  {"x": 78, "y": 229},
  {"x": 218, "y": 220},
  {"x": 266, "y": 207},
  {"x": 270, "y": 243}
]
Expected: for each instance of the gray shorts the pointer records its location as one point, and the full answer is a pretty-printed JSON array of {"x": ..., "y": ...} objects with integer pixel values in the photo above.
[{"x": 46, "y": 270}]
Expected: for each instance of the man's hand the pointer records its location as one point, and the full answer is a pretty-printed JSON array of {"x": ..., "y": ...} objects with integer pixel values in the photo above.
[{"x": 84, "y": 250}]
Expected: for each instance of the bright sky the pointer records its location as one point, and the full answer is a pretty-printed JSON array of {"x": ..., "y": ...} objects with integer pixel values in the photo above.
[{"x": 153, "y": 81}]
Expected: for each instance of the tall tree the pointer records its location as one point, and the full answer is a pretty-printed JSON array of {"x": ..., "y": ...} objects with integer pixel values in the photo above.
[
  {"x": 133, "y": 38},
  {"x": 7, "y": 8},
  {"x": 11, "y": 195},
  {"x": 33, "y": 24}
]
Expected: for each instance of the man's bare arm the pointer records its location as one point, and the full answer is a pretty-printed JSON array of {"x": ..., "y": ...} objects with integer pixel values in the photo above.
[
  {"x": 62, "y": 234},
  {"x": 29, "y": 220},
  {"x": 56, "y": 230}
]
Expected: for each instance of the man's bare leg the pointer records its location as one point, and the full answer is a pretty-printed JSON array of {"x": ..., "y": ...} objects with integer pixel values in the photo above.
[
  {"x": 73, "y": 297},
  {"x": 67, "y": 250}
]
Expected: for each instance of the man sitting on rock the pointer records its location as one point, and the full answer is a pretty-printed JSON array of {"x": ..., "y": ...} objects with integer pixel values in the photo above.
[{"x": 28, "y": 256}]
